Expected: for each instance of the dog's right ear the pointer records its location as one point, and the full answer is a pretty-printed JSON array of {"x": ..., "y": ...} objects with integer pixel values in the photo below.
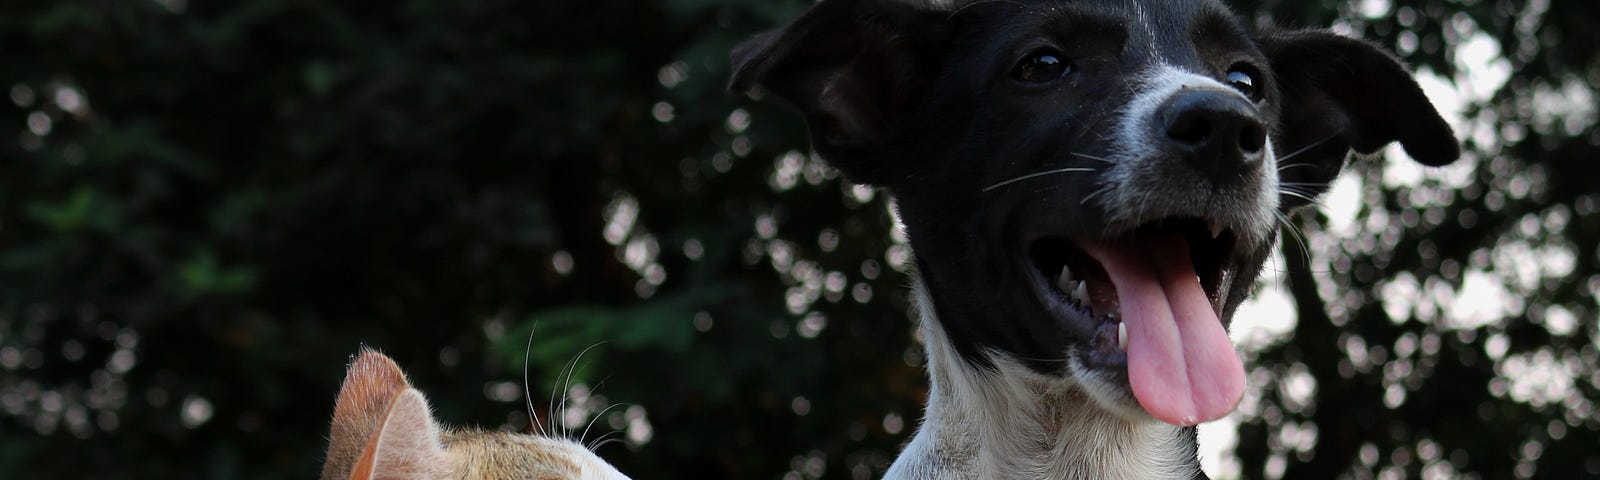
[
  {"x": 854, "y": 68},
  {"x": 1341, "y": 95}
]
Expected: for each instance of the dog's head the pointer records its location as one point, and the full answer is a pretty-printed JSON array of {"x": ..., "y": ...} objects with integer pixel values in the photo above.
[{"x": 1091, "y": 186}]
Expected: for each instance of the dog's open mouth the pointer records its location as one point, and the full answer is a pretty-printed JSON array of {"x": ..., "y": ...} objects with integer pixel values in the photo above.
[
  {"x": 1082, "y": 284},
  {"x": 1151, "y": 299}
]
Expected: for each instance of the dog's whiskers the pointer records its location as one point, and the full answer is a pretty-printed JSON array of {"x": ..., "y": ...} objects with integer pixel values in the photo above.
[
  {"x": 1304, "y": 149},
  {"x": 1091, "y": 157},
  {"x": 1144, "y": 202},
  {"x": 1037, "y": 174},
  {"x": 1093, "y": 194},
  {"x": 1293, "y": 230},
  {"x": 962, "y": 8},
  {"x": 1309, "y": 198},
  {"x": 1285, "y": 168},
  {"x": 1063, "y": 360}
]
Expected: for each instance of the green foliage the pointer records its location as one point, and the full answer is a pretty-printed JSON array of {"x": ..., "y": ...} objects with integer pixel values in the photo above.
[
  {"x": 83, "y": 209},
  {"x": 206, "y": 207},
  {"x": 566, "y": 333}
]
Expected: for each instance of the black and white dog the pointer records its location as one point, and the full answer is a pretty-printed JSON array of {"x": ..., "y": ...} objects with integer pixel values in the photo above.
[{"x": 1090, "y": 187}]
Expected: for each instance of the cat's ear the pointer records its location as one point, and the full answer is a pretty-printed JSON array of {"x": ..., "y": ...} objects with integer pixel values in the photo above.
[
  {"x": 406, "y": 445},
  {"x": 369, "y": 401}
]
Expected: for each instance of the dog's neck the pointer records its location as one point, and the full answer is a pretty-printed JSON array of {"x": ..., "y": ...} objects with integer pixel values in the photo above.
[{"x": 1010, "y": 422}]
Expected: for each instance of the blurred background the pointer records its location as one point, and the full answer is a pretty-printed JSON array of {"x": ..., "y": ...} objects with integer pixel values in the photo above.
[{"x": 207, "y": 207}]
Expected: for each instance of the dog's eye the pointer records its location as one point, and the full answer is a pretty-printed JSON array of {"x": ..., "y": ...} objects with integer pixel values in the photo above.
[
  {"x": 1243, "y": 80},
  {"x": 1040, "y": 68}
]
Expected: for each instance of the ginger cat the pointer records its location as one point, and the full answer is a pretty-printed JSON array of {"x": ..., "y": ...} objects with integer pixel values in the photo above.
[{"x": 384, "y": 430}]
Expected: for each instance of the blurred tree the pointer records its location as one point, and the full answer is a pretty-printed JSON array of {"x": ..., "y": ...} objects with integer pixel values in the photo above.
[
  {"x": 204, "y": 208},
  {"x": 1447, "y": 323}
]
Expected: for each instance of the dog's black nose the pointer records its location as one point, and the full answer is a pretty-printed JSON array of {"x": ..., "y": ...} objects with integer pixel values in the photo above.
[{"x": 1218, "y": 132}]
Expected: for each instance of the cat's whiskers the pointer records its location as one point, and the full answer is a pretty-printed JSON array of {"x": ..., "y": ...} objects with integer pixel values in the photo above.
[{"x": 527, "y": 391}]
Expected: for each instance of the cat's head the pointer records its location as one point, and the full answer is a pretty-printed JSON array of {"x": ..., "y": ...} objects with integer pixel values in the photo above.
[{"x": 383, "y": 429}]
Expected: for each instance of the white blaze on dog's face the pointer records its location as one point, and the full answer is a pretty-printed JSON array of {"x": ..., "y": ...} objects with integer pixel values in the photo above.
[
  {"x": 1238, "y": 199},
  {"x": 1091, "y": 187}
]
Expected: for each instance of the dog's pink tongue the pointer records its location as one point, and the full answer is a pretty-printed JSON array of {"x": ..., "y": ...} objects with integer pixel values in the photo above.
[{"x": 1181, "y": 365}]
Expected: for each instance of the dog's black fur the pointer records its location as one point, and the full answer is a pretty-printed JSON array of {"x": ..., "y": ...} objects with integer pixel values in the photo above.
[{"x": 950, "y": 111}]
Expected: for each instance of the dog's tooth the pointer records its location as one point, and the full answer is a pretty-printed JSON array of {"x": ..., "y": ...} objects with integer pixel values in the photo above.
[
  {"x": 1064, "y": 282},
  {"x": 1081, "y": 293},
  {"x": 1122, "y": 336},
  {"x": 1216, "y": 228}
]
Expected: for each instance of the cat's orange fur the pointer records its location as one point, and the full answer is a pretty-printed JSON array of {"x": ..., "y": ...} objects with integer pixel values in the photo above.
[{"x": 383, "y": 429}]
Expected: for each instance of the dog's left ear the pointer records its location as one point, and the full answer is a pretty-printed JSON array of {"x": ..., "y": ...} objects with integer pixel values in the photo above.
[
  {"x": 1341, "y": 94},
  {"x": 853, "y": 67}
]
